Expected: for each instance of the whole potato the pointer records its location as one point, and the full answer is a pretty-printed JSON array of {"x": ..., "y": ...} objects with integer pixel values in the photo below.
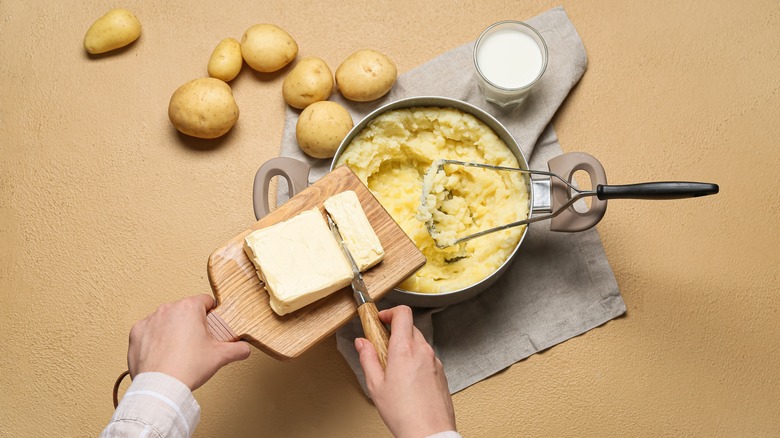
[
  {"x": 321, "y": 127},
  {"x": 310, "y": 81},
  {"x": 118, "y": 28},
  {"x": 203, "y": 108},
  {"x": 226, "y": 60},
  {"x": 267, "y": 48},
  {"x": 365, "y": 75}
]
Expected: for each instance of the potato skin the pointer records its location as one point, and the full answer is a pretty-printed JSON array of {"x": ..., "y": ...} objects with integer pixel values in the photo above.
[
  {"x": 365, "y": 75},
  {"x": 203, "y": 108},
  {"x": 310, "y": 81},
  {"x": 268, "y": 48},
  {"x": 321, "y": 128},
  {"x": 226, "y": 61},
  {"x": 118, "y": 28}
]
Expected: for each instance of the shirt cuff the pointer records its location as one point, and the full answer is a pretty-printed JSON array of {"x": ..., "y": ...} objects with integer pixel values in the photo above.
[
  {"x": 447, "y": 434},
  {"x": 161, "y": 403}
]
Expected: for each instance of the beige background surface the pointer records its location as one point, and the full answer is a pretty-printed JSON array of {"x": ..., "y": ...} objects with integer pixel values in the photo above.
[{"x": 106, "y": 212}]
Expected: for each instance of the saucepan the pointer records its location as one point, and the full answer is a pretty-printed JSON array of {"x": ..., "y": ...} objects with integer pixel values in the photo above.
[{"x": 551, "y": 193}]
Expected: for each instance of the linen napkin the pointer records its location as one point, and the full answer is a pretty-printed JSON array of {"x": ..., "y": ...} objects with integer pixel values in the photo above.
[{"x": 560, "y": 284}]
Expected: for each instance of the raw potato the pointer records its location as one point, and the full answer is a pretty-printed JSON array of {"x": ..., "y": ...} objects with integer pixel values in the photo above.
[
  {"x": 310, "y": 81},
  {"x": 267, "y": 48},
  {"x": 118, "y": 28},
  {"x": 365, "y": 75},
  {"x": 226, "y": 60},
  {"x": 203, "y": 108},
  {"x": 321, "y": 127}
]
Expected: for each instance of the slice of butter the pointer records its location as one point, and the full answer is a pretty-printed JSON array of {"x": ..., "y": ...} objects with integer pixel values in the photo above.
[
  {"x": 299, "y": 260},
  {"x": 362, "y": 242}
]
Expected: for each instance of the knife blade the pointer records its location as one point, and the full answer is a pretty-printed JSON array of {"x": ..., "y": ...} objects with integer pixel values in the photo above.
[{"x": 373, "y": 328}]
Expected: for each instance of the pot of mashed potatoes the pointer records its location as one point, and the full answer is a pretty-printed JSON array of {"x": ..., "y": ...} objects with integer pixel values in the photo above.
[{"x": 391, "y": 149}]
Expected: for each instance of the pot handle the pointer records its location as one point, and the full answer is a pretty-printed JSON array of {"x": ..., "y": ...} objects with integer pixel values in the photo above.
[
  {"x": 657, "y": 190},
  {"x": 571, "y": 220},
  {"x": 296, "y": 173}
]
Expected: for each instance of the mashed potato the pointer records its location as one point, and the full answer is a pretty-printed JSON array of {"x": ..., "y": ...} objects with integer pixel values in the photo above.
[{"x": 391, "y": 156}]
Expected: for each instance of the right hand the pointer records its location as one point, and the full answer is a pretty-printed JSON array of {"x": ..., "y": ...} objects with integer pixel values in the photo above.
[{"x": 411, "y": 394}]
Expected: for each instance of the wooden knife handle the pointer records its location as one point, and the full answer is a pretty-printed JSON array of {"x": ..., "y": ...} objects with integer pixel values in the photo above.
[{"x": 375, "y": 330}]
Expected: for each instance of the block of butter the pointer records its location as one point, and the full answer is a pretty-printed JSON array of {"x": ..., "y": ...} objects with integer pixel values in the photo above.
[
  {"x": 345, "y": 209},
  {"x": 299, "y": 261}
]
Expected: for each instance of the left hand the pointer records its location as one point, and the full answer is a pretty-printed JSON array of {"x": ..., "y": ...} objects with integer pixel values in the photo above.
[{"x": 174, "y": 340}]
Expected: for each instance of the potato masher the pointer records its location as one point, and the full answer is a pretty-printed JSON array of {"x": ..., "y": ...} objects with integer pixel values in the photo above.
[{"x": 554, "y": 195}]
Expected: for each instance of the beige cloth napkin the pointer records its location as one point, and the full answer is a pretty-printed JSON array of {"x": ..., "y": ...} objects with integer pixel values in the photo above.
[{"x": 560, "y": 285}]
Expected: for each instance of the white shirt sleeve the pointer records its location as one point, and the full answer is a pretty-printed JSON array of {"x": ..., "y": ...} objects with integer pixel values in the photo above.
[
  {"x": 447, "y": 434},
  {"x": 155, "y": 405}
]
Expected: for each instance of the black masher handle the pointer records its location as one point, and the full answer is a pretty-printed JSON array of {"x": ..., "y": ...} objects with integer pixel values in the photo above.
[{"x": 656, "y": 190}]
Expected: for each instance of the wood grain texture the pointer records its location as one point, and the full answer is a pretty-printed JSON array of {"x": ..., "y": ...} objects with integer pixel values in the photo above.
[
  {"x": 219, "y": 329},
  {"x": 242, "y": 302},
  {"x": 374, "y": 330}
]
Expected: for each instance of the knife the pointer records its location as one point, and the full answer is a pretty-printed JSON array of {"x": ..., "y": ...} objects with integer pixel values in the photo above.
[{"x": 374, "y": 330}]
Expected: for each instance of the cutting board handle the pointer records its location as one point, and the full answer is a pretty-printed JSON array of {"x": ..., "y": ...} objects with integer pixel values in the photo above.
[
  {"x": 218, "y": 328},
  {"x": 296, "y": 173}
]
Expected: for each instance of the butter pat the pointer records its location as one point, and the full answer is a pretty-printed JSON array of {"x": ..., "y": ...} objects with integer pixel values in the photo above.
[
  {"x": 299, "y": 261},
  {"x": 362, "y": 242}
]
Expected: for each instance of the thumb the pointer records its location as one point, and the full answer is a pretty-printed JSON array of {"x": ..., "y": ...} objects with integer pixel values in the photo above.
[
  {"x": 369, "y": 361},
  {"x": 233, "y": 351}
]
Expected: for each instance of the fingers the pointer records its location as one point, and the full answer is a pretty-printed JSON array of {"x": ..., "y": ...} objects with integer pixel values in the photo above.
[
  {"x": 418, "y": 336},
  {"x": 387, "y": 315},
  {"x": 133, "y": 344},
  {"x": 442, "y": 375},
  {"x": 136, "y": 331},
  {"x": 369, "y": 361},
  {"x": 234, "y": 351},
  {"x": 401, "y": 322},
  {"x": 206, "y": 300}
]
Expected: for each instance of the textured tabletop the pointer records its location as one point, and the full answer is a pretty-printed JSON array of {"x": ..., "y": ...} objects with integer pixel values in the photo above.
[{"x": 107, "y": 212}]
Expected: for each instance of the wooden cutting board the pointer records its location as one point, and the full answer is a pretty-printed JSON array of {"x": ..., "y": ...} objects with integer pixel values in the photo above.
[{"x": 243, "y": 311}]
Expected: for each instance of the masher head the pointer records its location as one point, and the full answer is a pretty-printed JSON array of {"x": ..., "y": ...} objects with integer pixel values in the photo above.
[{"x": 446, "y": 212}]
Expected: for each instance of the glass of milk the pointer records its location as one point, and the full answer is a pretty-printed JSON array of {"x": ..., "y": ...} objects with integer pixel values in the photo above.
[{"x": 510, "y": 57}]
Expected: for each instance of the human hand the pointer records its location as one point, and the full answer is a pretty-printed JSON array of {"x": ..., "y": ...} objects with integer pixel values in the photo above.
[
  {"x": 411, "y": 394},
  {"x": 174, "y": 340}
]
